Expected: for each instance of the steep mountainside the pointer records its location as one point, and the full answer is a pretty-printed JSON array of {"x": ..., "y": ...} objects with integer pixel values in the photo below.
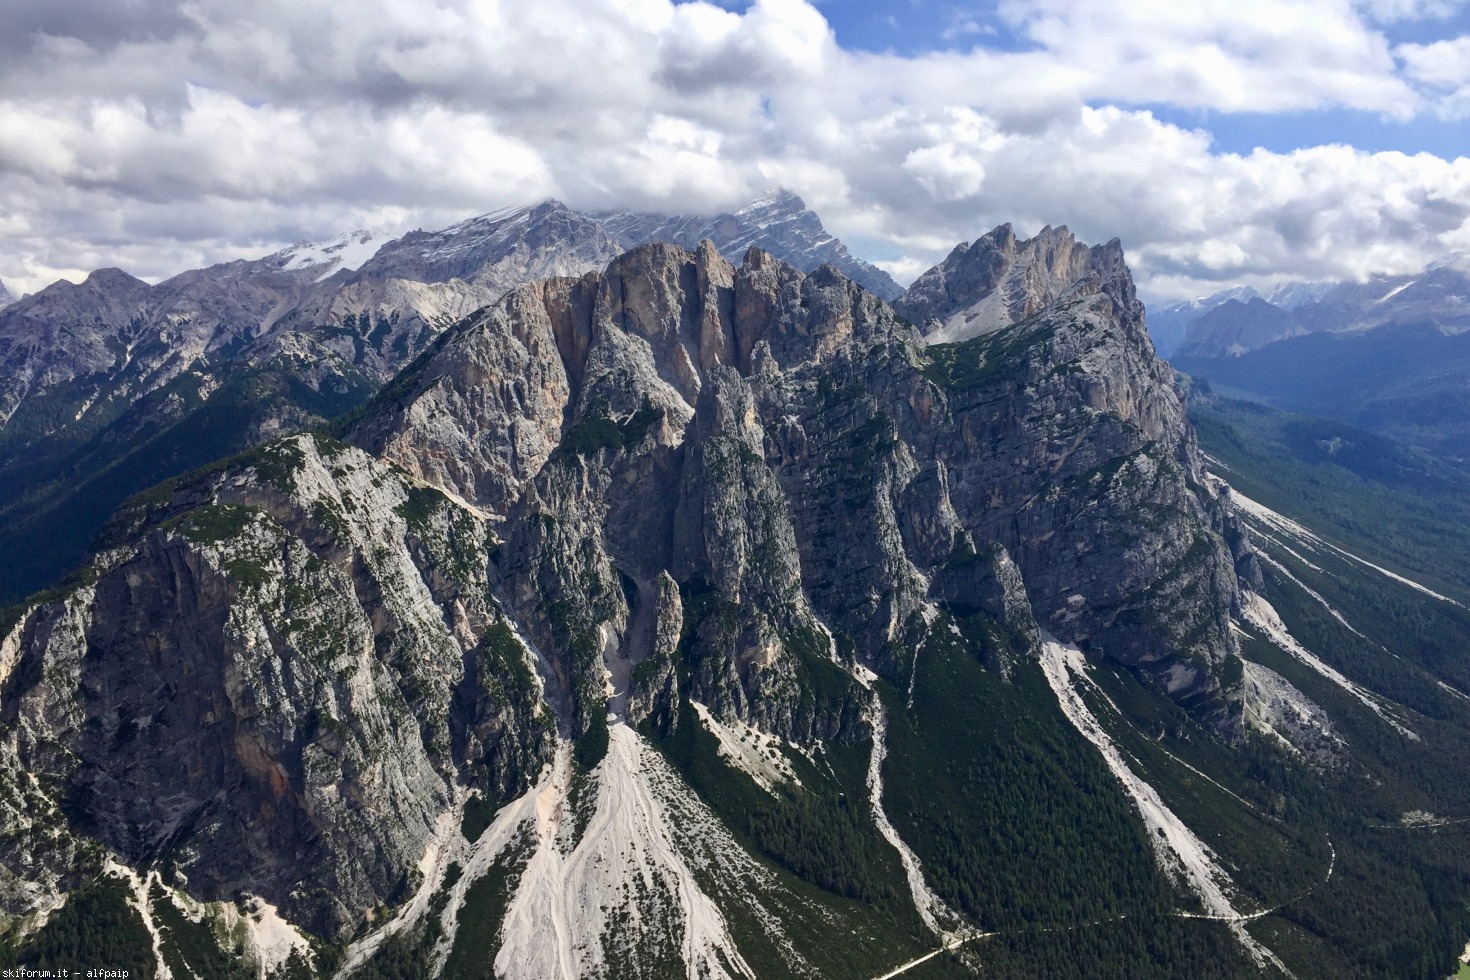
[
  {"x": 5, "y": 298},
  {"x": 112, "y": 385},
  {"x": 694, "y": 619},
  {"x": 779, "y": 223}
]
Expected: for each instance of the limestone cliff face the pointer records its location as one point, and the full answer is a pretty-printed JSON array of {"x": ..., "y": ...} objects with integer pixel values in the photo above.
[
  {"x": 778, "y": 223},
  {"x": 1076, "y": 439},
  {"x": 601, "y": 498},
  {"x": 785, "y": 446},
  {"x": 284, "y": 676}
]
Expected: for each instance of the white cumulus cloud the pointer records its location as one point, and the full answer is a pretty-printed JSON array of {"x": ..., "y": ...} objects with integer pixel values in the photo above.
[{"x": 185, "y": 132}]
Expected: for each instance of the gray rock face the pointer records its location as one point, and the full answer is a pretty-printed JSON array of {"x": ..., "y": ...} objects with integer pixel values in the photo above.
[
  {"x": 66, "y": 331},
  {"x": 785, "y": 447},
  {"x": 680, "y": 480},
  {"x": 114, "y": 338},
  {"x": 779, "y": 223},
  {"x": 281, "y": 678},
  {"x": 154, "y": 381},
  {"x": 5, "y": 298},
  {"x": 998, "y": 280},
  {"x": 499, "y": 250}
]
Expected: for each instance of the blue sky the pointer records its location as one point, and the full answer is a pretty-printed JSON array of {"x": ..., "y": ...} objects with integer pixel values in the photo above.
[
  {"x": 1224, "y": 144},
  {"x": 914, "y": 27}
]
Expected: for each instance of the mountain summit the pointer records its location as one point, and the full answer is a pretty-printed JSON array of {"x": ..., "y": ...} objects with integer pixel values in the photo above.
[
  {"x": 999, "y": 279},
  {"x": 779, "y": 223}
]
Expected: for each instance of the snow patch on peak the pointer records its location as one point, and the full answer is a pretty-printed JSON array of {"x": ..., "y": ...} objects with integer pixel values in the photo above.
[
  {"x": 1395, "y": 291},
  {"x": 349, "y": 251},
  {"x": 499, "y": 216},
  {"x": 777, "y": 200}
]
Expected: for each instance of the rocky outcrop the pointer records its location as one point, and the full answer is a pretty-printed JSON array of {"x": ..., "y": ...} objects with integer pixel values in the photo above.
[
  {"x": 792, "y": 452},
  {"x": 156, "y": 380},
  {"x": 1068, "y": 420}
]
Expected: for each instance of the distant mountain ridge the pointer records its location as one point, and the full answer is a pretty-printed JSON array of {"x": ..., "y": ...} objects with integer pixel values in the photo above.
[
  {"x": 111, "y": 385},
  {"x": 114, "y": 381},
  {"x": 779, "y": 223},
  {"x": 1440, "y": 295},
  {"x": 1167, "y": 323},
  {"x": 1390, "y": 355}
]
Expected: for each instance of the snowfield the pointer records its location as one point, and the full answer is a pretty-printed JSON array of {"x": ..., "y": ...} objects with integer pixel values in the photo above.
[{"x": 349, "y": 251}]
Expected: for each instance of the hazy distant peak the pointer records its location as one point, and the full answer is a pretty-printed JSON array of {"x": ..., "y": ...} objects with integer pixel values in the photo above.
[{"x": 778, "y": 222}]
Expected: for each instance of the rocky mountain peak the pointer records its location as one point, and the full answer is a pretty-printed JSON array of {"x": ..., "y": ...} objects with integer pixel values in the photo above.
[
  {"x": 499, "y": 249},
  {"x": 649, "y": 329},
  {"x": 107, "y": 296},
  {"x": 1000, "y": 279},
  {"x": 778, "y": 222},
  {"x": 775, "y": 207},
  {"x": 5, "y": 296},
  {"x": 114, "y": 280}
]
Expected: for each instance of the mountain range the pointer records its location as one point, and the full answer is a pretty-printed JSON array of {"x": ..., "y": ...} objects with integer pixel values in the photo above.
[
  {"x": 1440, "y": 295},
  {"x": 108, "y": 386},
  {"x": 644, "y": 612},
  {"x": 1168, "y": 323},
  {"x": 1390, "y": 356}
]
